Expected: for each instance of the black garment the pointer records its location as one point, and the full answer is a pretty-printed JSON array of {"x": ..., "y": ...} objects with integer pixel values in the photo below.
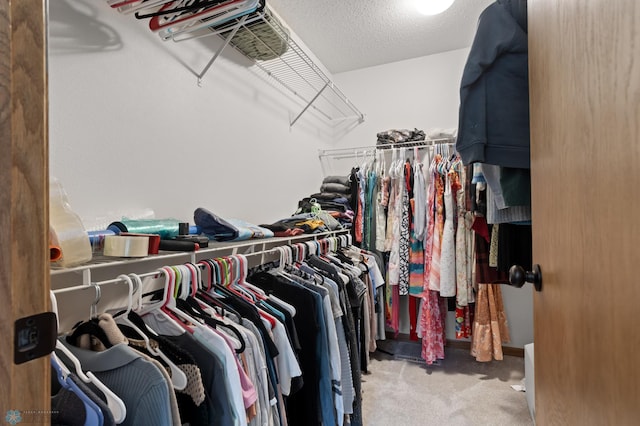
[
  {"x": 250, "y": 312},
  {"x": 213, "y": 373},
  {"x": 190, "y": 412},
  {"x": 303, "y": 407},
  {"x": 355, "y": 195},
  {"x": 514, "y": 246},
  {"x": 296, "y": 223}
]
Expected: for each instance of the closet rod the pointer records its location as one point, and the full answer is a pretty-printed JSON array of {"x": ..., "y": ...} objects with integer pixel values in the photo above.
[
  {"x": 263, "y": 253},
  {"x": 214, "y": 246}
]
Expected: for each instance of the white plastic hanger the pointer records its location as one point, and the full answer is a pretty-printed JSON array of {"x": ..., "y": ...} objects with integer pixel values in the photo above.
[
  {"x": 244, "y": 264},
  {"x": 178, "y": 378},
  {"x": 170, "y": 301},
  {"x": 281, "y": 260},
  {"x": 156, "y": 308},
  {"x": 115, "y": 404}
]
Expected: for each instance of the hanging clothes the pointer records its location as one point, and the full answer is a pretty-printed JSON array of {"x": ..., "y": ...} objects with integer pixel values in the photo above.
[
  {"x": 405, "y": 228},
  {"x": 490, "y": 329},
  {"x": 462, "y": 239},
  {"x": 438, "y": 230},
  {"x": 447, "y": 254},
  {"x": 432, "y": 326},
  {"x": 137, "y": 381}
]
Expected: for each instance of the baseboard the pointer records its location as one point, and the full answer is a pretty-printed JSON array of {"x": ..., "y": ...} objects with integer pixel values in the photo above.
[{"x": 460, "y": 344}]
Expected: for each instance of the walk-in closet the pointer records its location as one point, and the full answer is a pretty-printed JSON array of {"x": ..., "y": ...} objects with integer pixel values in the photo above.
[{"x": 250, "y": 212}]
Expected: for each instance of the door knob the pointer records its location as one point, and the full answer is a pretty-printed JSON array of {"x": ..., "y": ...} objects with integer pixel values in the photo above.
[{"x": 518, "y": 276}]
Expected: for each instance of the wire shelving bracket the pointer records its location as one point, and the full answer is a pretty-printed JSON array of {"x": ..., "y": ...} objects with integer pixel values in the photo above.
[{"x": 293, "y": 69}]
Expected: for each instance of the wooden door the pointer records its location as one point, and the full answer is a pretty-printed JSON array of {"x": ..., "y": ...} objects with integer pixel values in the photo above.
[
  {"x": 584, "y": 60},
  {"x": 24, "y": 221}
]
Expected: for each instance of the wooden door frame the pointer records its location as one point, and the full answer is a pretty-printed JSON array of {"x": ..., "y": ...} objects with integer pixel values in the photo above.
[{"x": 24, "y": 200}]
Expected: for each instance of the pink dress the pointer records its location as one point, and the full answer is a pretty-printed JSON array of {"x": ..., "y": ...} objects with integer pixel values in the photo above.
[{"x": 433, "y": 312}]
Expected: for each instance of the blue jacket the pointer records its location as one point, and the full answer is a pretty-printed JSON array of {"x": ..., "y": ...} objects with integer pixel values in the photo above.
[{"x": 493, "y": 125}]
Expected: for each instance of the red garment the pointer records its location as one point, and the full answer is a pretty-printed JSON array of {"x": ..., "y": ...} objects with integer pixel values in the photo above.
[
  {"x": 481, "y": 227},
  {"x": 413, "y": 318}
]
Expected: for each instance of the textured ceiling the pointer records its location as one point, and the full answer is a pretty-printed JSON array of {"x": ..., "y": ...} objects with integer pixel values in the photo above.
[{"x": 352, "y": 34}]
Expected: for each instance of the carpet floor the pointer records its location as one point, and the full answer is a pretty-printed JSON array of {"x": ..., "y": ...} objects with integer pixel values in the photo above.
[{"x": 401, "y": 390}]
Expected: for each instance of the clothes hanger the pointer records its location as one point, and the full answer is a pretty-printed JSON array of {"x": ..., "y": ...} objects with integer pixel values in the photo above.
[
  {"x": 280, "y": 266},
  {"x": 178, "y": 377},
  {"x": 93, "y": 413},
  {"x": 192, "y": 307},
  {"x": 91, "y": 326},
  {"x": 392, "y": 166},
  {"x": 237, "y": 278},
  {"x": 185, "y": 282},
  {"x": 119, "y": 3},
  {"x": 207, "y": 267},
  {"x": 184, "y": 6},
  {"x": 184, "y": 11},
  {"x": 380, "y": 163},
  {"x": 196, "y": 277},
  {"x": 311, "y": 247},
  {"x": 141, "y": 5},
  {"x": 268, "y": 317},
  {"x": 244, "y": 272},
  {"x": 227, "y": 292},
  {"x": 182, "y": 22},
  {"x": 226, "y": 21},
  {"x": 116, "y": 405},
  {"x": 184, "y": 320},
  {"x": 225, "y": 267},
  {"x": 215, "y": 295},
  {"x": 167, "y": 293}
]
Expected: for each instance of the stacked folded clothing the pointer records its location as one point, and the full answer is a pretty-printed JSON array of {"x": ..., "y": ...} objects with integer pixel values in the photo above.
[
  {"x": 304, "y": 223},
  {"x": 327, "y": 210},
  {"x": 335, "y": 197},
  {"x": 393, "y": 136},
  {"x": 336, "y": 184}
]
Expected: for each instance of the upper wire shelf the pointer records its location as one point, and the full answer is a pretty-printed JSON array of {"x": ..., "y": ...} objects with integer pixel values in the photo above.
[
  {"x": 355, "y": 151},
  {"x": 293, "y": 68},
  {"x": 338, "y": 161}
]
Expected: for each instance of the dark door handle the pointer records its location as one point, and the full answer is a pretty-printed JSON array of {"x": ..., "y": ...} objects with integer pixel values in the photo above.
[{"x": 518, "y": 276}]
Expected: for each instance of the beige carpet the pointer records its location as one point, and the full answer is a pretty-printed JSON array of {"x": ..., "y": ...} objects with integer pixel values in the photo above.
[{"x": 403, "y": 391}]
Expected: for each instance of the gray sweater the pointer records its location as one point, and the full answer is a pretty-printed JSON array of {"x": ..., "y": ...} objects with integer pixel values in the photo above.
[{"x": 139, "y": 383}]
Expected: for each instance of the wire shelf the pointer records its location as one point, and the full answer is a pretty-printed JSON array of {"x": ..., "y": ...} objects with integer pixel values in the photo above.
[{"x": 293, "y": 68}]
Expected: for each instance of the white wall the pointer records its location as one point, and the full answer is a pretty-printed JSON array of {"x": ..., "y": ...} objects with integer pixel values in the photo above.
[
  {"x": 130, "y": 129},
  {"x": 421, "y": 93}
]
